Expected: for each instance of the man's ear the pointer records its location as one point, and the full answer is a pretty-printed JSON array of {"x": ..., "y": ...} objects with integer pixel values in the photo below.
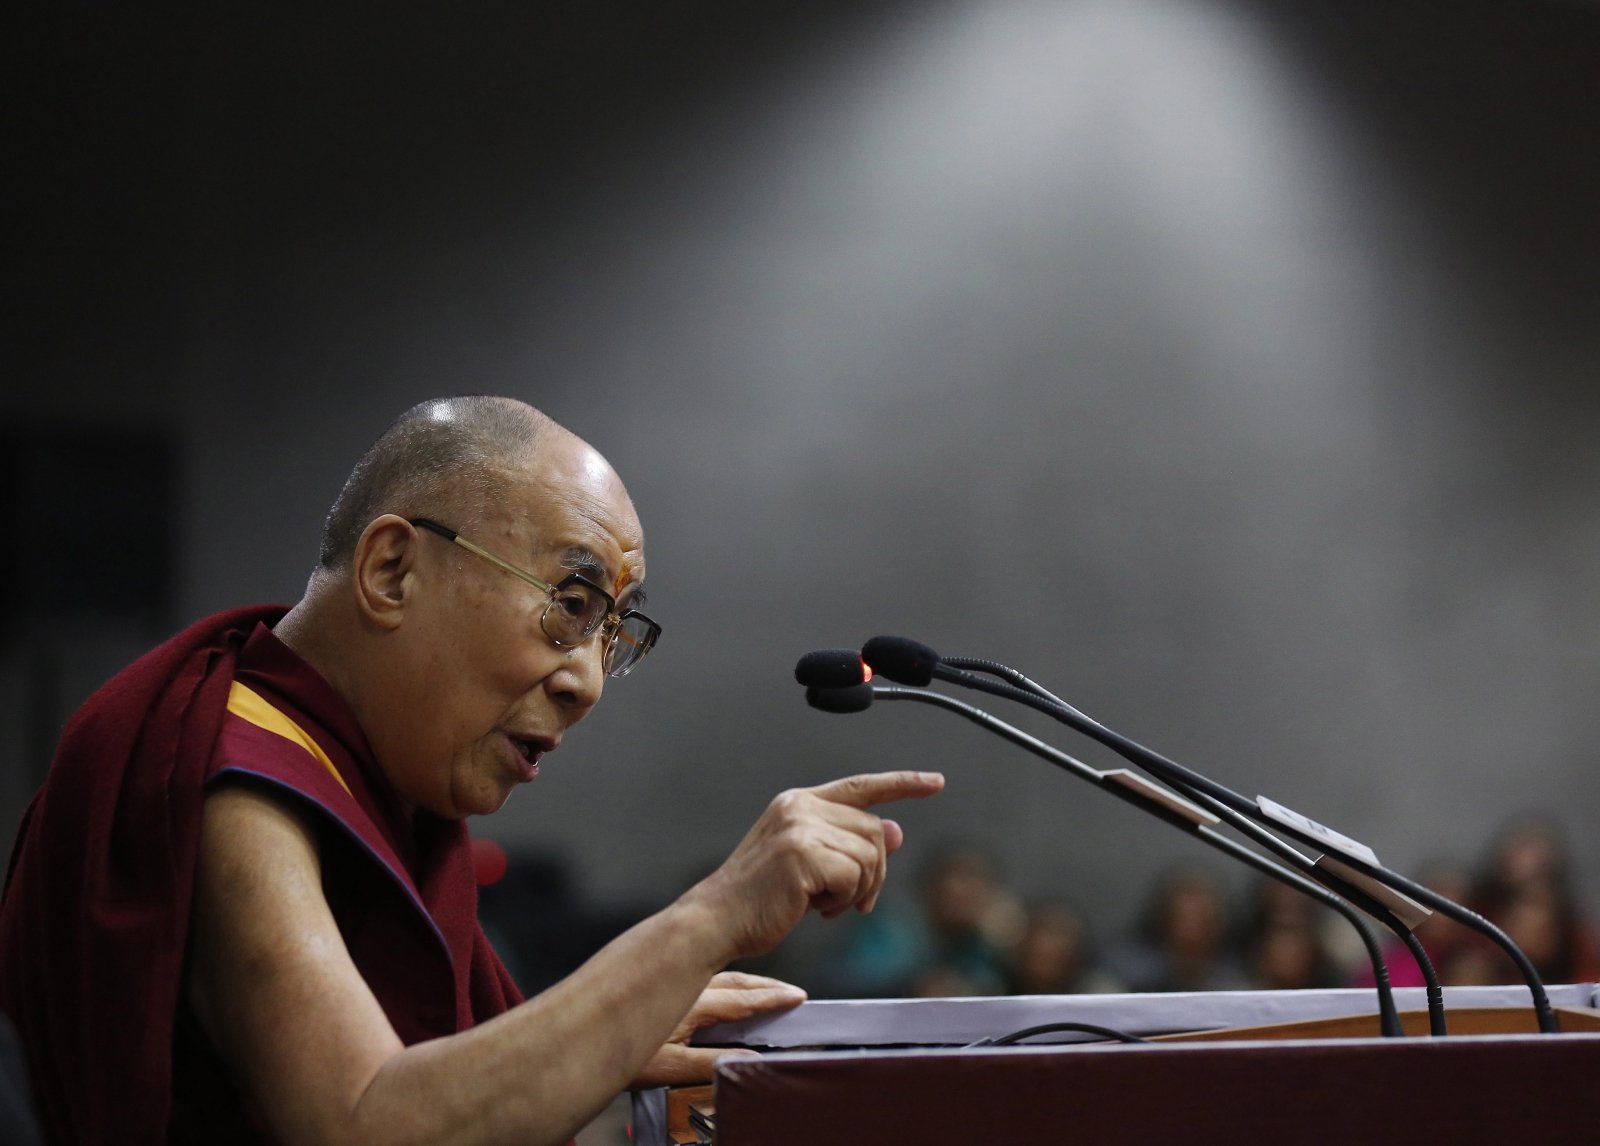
[{"x": 381, "y": 571}]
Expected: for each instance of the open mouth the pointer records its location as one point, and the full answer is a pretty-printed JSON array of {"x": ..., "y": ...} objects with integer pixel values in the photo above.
[{"x": 530, "y": 748}]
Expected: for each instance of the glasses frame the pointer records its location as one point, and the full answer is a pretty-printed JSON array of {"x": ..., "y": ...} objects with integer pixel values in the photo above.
[{"x": 609, "y": 626}]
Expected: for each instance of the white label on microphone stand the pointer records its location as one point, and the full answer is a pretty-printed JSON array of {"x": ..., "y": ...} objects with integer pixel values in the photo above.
[
  {"x": 1156, "y": 794},
  {"x": 1405, "y": 909},
  {"x": 1324, "y": 836}
]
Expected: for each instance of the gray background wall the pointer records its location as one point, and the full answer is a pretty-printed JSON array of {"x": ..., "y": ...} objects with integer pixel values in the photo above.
[{"x": 1228, "y": 365}]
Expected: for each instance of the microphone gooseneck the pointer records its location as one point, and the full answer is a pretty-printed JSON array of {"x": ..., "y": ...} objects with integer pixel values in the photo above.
[
  {"x": 1149, "y": 801},
  {"x": 1199, "y": 786},
  {"x": 1430, "y": 977}
]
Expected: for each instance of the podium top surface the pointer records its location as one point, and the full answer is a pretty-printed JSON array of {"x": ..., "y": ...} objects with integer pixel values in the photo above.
[
  {"x": 961, "y": 1022},
  {"x": 1211, "y": 1092}
]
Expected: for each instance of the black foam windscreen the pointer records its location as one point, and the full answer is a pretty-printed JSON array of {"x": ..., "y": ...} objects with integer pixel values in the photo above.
[
  {"x": 856, "y": 698},
  {"x": 831, "y": 668},
  {"x": 901, "y": 659}
]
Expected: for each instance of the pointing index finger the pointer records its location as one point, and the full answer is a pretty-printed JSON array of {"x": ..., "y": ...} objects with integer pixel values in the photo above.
[{"x": 871, "y": 788}]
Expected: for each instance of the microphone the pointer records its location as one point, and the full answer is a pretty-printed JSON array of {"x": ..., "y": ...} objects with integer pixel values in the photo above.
[
  {"x": 1354, "y": 858},
  {"x": 853, "y": 698},
  {"x": 832, "y": 668},
  {"x": 902, "y": 660},
  {"x": 1141, "y": 793}
]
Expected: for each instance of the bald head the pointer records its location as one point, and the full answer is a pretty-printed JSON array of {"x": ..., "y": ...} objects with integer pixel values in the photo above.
[
  {"x": 446, "y": 457},
  {"x": 441, "y": 650}
]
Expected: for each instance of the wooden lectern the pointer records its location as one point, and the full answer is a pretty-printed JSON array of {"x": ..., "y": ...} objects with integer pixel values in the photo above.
[{"x": 1286, "y": 1080}]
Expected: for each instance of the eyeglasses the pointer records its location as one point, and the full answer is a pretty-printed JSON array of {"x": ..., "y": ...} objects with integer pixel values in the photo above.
[{"x": 578, "y": 609}]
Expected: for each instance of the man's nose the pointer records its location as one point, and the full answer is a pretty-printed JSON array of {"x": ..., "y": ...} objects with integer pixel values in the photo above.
[{"x": 578, "y": 683}]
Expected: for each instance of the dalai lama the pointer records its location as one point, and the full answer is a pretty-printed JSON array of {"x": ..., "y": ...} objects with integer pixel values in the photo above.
[{"x": 241, "y": 908}]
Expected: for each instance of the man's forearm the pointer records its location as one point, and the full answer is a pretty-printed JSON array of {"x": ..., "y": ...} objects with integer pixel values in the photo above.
[{"x": 544, "y": 1069}]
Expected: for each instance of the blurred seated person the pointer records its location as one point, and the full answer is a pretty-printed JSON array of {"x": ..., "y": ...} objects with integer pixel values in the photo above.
[
  {"x": 1525, "y": 888},
  {"x": 952, "y": 942},
  {"x": 1055, "y": 957},
  {"x": 1182, "y": 942},
  {"x": 1285, "y": 944}
]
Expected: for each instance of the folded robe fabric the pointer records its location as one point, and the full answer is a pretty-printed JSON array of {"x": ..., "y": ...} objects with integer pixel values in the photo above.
[{"x": 95, "y": 914}]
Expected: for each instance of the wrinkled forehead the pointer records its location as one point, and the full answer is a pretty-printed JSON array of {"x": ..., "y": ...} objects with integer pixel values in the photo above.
[{"x": 573, "y": 505}]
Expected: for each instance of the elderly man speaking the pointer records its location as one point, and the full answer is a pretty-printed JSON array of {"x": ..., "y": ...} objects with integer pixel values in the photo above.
[{"x": 241, "y": 908}]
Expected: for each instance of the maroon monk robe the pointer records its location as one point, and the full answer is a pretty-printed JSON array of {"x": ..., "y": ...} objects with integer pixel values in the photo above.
[{"x": 95, "y": 917}]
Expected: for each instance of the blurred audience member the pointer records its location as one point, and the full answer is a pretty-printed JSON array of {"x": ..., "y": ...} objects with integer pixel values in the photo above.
[
  {"x": 1182, "y": 943},
  {"x": 1527, "y": 852},
  {"x": 954, "y": 942},
  {"x": 1284, "y": 942},
  {"x": 1054, "y": 956},
  {"x": 1525, "y": 887}
]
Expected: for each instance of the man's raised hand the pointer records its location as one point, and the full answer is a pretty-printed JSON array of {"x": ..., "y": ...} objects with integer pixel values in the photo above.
[{"x": 812, "y": 849}]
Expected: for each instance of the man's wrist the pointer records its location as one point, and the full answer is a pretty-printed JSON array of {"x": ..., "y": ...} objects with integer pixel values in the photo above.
[{"x": 700, "y": 921}]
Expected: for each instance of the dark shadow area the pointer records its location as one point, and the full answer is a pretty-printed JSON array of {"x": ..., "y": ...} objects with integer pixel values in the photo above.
[
  {"x": 1487, "y": 113},
  {"x": 540, "y": 926},
  {"x": 92, "y": 523},
  {"x": 160, "y": 145}
]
